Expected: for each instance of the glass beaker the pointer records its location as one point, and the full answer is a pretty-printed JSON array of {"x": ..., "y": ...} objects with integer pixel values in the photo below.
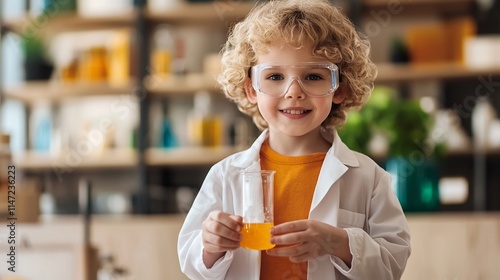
[{"x": 258, "y": 212}]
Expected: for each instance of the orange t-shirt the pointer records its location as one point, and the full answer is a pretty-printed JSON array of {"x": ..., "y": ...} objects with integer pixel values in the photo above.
[{"x": 294, "y": 184}]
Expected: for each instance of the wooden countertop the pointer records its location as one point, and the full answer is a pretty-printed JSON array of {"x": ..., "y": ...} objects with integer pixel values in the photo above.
[{"x": 461, "y": 246}]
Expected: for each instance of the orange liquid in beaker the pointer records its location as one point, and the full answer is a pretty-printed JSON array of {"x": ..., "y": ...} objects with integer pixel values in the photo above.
[{"x": 256, "y": 236}]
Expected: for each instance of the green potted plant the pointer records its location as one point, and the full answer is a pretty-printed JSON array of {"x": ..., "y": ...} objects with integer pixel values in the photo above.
[
  {"x": 36, "y": 66},
  {"x": 410, "y": 156}
]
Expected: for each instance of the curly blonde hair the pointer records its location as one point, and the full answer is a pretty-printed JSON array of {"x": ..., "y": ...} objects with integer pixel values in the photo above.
[{"x": 297, "y": 21}]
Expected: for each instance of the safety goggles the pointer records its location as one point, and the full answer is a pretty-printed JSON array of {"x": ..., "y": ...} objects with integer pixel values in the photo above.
[{"x": 315, "y": 79}]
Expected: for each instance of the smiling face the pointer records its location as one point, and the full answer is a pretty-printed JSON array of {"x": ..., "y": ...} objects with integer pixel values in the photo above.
[{"x": 294, "y": 114}]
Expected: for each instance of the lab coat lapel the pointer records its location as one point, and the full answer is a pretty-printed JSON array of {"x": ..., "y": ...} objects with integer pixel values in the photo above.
[
  {"x": 334, "y": 166},
  {"x": 331, "y": 171}
]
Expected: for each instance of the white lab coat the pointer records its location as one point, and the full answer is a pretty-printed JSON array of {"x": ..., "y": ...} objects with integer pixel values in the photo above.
[{"x": 352, "y": 192}]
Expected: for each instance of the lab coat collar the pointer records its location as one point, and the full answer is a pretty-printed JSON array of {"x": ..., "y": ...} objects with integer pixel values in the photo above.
[
  {"x": 338, "y": 160},
  {"x": 339, "y": 150},
  {"x": 250, "y": 158}
]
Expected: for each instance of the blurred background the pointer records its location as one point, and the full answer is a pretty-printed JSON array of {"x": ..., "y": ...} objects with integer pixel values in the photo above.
[{"x": 111, "y": 117}]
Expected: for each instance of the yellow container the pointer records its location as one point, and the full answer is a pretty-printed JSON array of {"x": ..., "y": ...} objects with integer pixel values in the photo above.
[
  {"x": 161, "y": 62},
  {"x": 94, "y": 65},
  {"x": 206, "y": 131}
]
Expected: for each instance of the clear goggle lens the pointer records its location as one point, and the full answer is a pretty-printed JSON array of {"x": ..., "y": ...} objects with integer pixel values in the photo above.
[{"x": 315, "y": 79}]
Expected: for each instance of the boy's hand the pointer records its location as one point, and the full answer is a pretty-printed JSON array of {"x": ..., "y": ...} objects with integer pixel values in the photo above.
[
  {"x": 220, "y": 233},
  {"x": 305, "y": 240}
]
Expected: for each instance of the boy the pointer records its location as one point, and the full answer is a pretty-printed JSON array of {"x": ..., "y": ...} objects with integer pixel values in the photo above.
[{"x": 296, "y": 67}]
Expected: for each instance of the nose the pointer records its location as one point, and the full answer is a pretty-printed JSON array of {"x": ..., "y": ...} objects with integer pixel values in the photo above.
[{"x": 295, "y": 90}]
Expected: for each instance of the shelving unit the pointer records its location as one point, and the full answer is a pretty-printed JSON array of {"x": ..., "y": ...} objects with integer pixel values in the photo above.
[
  {"x": 472, "y": 163},
  {"x": 216, "y": 14},
  {"x": 402, "y": 73},
  {"x": 33, "y": 92},
  {"x": 219, "y": 14},
  {"x": 206, "y": 15}
]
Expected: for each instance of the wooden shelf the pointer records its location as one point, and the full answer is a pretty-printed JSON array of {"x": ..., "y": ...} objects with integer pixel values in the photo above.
[
  {"x": 32, "y": 92},
  {"x": 397, "y": 73},
  {"x": 419, "y": 7},
  {"x": 214, "y": 14},
  {"x": 128, "y": 158},
  {"x": 187, "y": 156},
  {"x": 67, "y": 22},
  {"x": 43, "y": 161},
  {"x": 174, "y": 85},
  {"x": 455, "y": 154}
]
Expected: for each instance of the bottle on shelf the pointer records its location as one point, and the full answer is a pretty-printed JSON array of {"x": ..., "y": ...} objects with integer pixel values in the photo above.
[
  {"x": 483, "y": 115},
  {"x": 43, "y": 128},
  {"x": 163, "y": 52},
  {"x": 120, "y": 60},
  {"x": 179, "y": 62},
  {"x": 94, "y": 64},
  {"x": 204, "y": 126}
]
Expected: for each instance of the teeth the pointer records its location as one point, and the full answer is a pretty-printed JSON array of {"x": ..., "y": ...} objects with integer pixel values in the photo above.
[{"x": 294, "y": 112}]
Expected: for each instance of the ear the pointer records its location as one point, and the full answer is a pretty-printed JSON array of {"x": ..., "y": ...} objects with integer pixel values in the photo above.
[
  {"x": 341, "y": 93},
  {"x": 249, "y": 91}
]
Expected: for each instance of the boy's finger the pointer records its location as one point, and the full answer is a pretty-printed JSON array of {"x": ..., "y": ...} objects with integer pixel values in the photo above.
[
  {"x": 294, "y": 226},
  {"x": 237, "y": 218},
  {"x": 225, "y": 219}
]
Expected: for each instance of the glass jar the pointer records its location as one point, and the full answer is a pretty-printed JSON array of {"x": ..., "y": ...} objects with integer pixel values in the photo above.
[{"x": 94, "y": 65}]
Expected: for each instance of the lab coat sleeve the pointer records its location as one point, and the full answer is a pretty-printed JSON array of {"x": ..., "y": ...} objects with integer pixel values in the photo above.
[
  {"x": 380, "y": 252},
  {"x": 190, "y": 246}
]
